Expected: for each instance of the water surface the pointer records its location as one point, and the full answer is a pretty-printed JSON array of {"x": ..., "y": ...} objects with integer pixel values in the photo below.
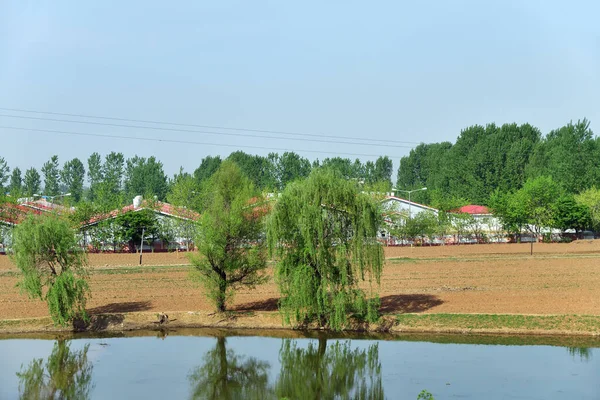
[{"x": 186, "y": 364}]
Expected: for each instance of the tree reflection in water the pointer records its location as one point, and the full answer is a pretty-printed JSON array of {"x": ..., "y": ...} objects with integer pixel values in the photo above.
[
  {"x": 584, "y": 353},
  {"x": 314, "y": 372},
  {"x": 339, "y": 372},
  {"x": 66, "y": 375},
  {"x": 225, "y": 375}
]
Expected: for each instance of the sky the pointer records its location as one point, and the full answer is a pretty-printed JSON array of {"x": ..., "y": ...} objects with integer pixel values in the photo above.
[{"x": 391, "y": 74}]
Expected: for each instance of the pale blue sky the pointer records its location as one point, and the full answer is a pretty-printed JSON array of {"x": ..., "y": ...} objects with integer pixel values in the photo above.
[{"x": 417, "y": 71}]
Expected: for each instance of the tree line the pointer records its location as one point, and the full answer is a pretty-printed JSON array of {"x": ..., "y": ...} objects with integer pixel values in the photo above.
[
  {"x": 113, "y": 180},
  {"x": 489, "y": 159}
]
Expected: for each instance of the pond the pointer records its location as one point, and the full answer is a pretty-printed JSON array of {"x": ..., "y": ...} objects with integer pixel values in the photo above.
[{"x": 215, "y": 364}]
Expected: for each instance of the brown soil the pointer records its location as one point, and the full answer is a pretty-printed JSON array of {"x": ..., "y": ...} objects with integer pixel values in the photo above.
[{"x": 500, "y": 278}]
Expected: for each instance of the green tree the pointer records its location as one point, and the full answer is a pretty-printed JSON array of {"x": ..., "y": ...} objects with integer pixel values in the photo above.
[
  {"x": 290, "y": 167},
  {"x": 133, "y": 227},
  {"x": 343, "y": 167},
  {"x": 73, "y": 174},
  {"x": 67, "y": 375},
  {"x": 16, "y": 182},
  {"x": 51, "y": 172},
  {"x": 569, "y": 155},
  {"x": 425, "y": 395},
  {"x": 323, "y": 232},
  {"x": 184, "y": 191},
  {"x": 532, "y": 207},
  {"x": 226, "y": 375},
  {"x": 4, "y": 174},
  {"x": 337, "y": 372},
  {"x": 47, "y": 253},
  {"x": 231, "y": 249},
  {"x": 95, "y": 173},
  {"x": 568, "y": 214},
  {"x": 31, "y": 184},
  {"x": 207, "y": 168},
  {"x": 145, "y": 177},
  {"x": 384, "y": 168},
  {"x": 112, "y": 171},
  {"x": 590, "y": 198},
  {"x": 260, "y": 170}
]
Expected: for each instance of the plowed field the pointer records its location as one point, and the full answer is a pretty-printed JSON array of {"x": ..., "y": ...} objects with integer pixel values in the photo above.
[{"x": 499, "y": 278}]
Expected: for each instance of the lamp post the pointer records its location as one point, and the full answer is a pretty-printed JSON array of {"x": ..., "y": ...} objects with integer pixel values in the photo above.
[
  {"x": 59, "y": 195},
  {"x": 409, "y": 202}
]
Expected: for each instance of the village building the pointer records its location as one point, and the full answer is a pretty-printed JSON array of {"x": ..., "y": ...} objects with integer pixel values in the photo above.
[{"x": 175, "y": 228}]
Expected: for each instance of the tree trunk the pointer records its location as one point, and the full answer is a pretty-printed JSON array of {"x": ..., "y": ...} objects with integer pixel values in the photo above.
[{"x": 222, "y": 292}]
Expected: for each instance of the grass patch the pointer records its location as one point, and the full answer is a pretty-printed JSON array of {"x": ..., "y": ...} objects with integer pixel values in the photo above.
[{"x": 501, "y": 322}]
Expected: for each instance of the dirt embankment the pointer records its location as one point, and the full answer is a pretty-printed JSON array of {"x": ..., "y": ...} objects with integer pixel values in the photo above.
[{"x": 470, "y": 279}]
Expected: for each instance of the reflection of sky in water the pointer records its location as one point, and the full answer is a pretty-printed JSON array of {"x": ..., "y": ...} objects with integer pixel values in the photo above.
[{"x": 147, "y": 367}]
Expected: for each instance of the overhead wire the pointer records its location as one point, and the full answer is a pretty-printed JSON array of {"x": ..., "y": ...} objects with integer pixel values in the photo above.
[
  {"x": 165, "y": 129},
  {"x": 386, "y": 141},
  {"x": 176, "y": 141}
]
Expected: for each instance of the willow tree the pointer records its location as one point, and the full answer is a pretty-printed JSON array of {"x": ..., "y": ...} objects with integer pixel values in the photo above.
[
  {"x": 230, "y": 243},
  {"x": 323, "y": 233},
  {"x": 46, "y": 250}
]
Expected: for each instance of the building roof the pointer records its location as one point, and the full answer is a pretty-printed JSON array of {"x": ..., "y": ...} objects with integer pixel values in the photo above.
[
  {"x": 473, "y": 209},
  {"x": 156, "y": 206},
  {"x": 44, "y": 205},
  {"x": 412, "y": 203},
  {"x": 14, "y": 214}
]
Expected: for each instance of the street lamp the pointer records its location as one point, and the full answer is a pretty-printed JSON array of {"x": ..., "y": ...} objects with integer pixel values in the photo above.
[{"x": 409, "y": 202}]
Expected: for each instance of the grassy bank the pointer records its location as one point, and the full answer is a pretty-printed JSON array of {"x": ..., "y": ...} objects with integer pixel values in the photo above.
[
  {"x": 581, "y": 325},
  {"x": 499, "y": 323}
]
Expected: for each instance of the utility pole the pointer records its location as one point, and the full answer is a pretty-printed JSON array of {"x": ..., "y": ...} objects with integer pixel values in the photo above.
[
  {"x": 410, "y": 202},
  {"x": 142, "y": 244}
]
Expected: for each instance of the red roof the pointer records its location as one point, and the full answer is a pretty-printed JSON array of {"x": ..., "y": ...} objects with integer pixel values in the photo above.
[
  {"x": 473, "y": 209},
  {"x": 44, "y": 205},
  {"x": 14, "y": 214}
]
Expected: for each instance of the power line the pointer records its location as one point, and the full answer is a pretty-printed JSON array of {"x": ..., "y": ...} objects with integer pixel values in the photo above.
[
  {"x": 184, "y": 141},
  {"x": 203, "y": 126},
  {"x": 154, "y": 128}
]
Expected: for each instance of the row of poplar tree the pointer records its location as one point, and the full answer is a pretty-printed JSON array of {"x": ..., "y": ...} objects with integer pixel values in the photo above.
[
  {"x": 113, "y": 180},
  {"x": 491, "y": 159}
]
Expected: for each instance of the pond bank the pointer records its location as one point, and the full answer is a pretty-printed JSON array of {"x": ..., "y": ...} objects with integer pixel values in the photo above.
[{"x": 514, "y": 324}]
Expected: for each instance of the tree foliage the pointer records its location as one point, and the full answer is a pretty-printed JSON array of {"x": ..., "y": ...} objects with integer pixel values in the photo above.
[
  {"x": 231, "y": 249},
  {"x": 4, "y": 174},
  {"x": 46, "y": 251},
  {"x": 73, "y": 175},
  {"x": 207, "y": 168},
  {"x": 145, "y": 177},
  {"x": 185, "y": 191},
  {"x": 16, "y": 182},
  {"x": 323, "y": 232},
  {"x": 135, "y": 226},
  {"x": 51, "y": 172},
  {"x": 482, "y": 160},
  {"x": 95, "y": 173},
  {"x": 112, "y": 172},
  {"x": 590, "y": 198},
  {"x": 67, "y": 375}
]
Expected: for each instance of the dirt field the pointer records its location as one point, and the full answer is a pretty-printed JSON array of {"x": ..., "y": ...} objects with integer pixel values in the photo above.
[{"x": 499, "y": 278}]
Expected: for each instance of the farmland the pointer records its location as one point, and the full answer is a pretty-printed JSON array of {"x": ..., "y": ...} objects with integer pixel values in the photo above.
[{"x": 494, "y": 279}]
